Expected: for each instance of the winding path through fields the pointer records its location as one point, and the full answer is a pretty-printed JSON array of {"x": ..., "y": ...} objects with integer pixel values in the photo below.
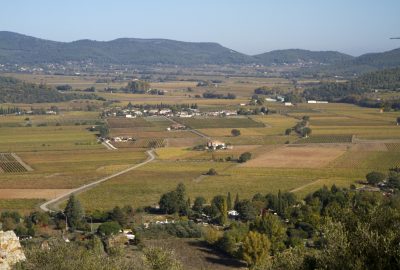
[{"x": 45, "y": 206}]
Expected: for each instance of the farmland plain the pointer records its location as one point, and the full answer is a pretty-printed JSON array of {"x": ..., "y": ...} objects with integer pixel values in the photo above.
[{"x": 347, "y": 142}]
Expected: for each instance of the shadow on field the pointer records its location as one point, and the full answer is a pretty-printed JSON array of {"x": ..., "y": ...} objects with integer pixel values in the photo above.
[{"x": 216, "y": 256}]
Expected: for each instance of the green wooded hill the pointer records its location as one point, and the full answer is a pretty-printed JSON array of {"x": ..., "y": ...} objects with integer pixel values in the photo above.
[
  {"x": 16, "y": 91},
  {"x": 17, "y": 48},
  {"x": 294, "y": 56}
]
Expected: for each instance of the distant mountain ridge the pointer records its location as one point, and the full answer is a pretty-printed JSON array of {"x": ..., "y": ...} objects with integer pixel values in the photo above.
[
  {"x": 21, "y": 49},
  {"x": 293, "y": 56},
  {"x": 17, "y": 48}
]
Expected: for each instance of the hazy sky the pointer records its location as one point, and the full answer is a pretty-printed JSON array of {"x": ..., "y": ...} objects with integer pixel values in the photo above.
[{"x": 248, "y": 26}]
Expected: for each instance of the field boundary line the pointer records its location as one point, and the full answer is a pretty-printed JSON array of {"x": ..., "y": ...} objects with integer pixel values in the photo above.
[{"x": 45, "y": 206}]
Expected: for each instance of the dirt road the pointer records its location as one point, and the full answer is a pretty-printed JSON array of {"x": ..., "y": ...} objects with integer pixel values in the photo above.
[{"x": 45, "y": 206}]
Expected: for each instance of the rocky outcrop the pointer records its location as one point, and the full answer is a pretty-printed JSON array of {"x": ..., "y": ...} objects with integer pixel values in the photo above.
[{"x": 10, "y": 250}]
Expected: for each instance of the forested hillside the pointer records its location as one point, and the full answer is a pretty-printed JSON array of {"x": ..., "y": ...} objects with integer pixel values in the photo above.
[
  {"x": 293, "y": 56},
  {"x": 16, "y": 91},
  {"x": 17, "y": 48},
  {"x": 386, "y": 79},
  {"x": 353, "y": 91}
]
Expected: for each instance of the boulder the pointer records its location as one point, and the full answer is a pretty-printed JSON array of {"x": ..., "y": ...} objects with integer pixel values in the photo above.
[{"x": 10, "y": 250}]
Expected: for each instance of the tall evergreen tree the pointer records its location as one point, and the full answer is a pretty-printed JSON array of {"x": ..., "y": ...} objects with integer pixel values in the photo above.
[
  {"x": 229, "y": 201},
  {"x": 74, "y": 213},
  {"x": 236, "y": 201}
]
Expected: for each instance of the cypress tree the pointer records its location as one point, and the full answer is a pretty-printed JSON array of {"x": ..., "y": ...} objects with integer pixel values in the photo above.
[
  {"x": 229, "y": 201},
  {"x": 74, "y": 213}
]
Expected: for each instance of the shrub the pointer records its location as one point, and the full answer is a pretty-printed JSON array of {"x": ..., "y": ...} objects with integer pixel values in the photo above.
[
  {"x": 374, "y": 178},
  {"x": 212, "y": 171},
  {"x": 109, "y": 228},
  {"x": 244, "y": 157},
  {"x": 235, "y": 132}
]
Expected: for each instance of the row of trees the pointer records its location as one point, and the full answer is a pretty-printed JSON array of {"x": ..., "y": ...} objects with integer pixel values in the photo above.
[{"x": 214, "y": 95}]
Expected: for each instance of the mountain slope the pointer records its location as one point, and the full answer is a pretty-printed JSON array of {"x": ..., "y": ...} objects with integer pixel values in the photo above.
[
  {"x": 293, "y": 56},
  {"x": 17, "y": 48},
  {"x": 371, "y": 62}
]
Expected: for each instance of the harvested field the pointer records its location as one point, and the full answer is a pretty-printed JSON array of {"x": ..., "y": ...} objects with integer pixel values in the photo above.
[
  {"x": 184, "y": 142},
  {"x": 369, "y": 147},
  {"x": 340, "y": 138},
  {"x": 395, "y": 147},
  {"x": 298, "y": 157},
  {"x": 31, "y": 193}
]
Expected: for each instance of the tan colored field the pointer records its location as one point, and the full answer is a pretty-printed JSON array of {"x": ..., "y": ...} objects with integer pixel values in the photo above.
[
  {"x": 298, "y": 157},
  {"x": 373, "y": 146},
  {"x": 31, "y": 193}
]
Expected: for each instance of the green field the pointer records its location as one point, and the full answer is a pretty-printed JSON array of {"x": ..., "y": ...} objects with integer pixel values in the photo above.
[{"x": 21, "y": 205}]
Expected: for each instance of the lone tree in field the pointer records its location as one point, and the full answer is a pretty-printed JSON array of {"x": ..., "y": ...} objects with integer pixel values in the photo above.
[
  {"x": 235, "y": 132},
  {"x": 212, "y": 171},
  {"x": 244, "y": 157},
  {"x": 288, "y": 131},
  {"x": 74, "y": 213},
  {"x": 374, "y": 178},
  {"x": 305, "y": 132}
]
